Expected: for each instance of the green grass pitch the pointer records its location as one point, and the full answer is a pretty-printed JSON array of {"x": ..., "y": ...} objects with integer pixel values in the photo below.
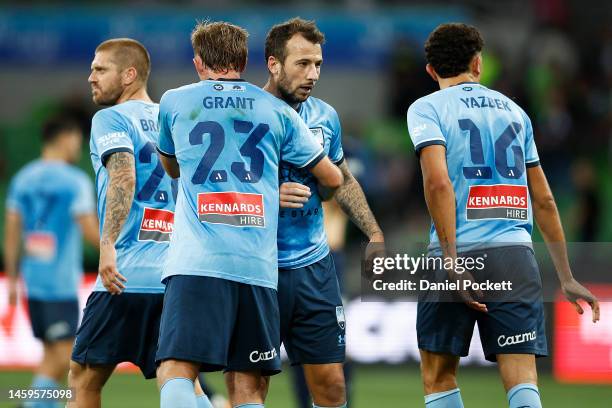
[{"x": 373, "y": 386}]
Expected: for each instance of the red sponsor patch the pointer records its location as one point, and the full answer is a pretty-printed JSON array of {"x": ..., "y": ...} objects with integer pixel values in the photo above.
[
  {"x": 156, "y": 225},
  {"x": 497, "y": 201},
  {"x": 41, "y": 245},
  {"x": 232, "y": 208}
]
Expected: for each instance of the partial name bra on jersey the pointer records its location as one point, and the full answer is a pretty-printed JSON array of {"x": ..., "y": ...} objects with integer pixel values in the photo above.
[
  {"x": 301, "y": 234},
  {"x": 229, "y": 137},
  {"x": 143, "y": 242},
  {"x": 489, "y": 145},
  {"x": 49, "y": 195}
]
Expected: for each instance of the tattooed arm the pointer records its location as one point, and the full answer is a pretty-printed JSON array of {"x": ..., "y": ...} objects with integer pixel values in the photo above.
[
  {"x": 353, "y": 202},
  {"x": 119, "y": 195}
]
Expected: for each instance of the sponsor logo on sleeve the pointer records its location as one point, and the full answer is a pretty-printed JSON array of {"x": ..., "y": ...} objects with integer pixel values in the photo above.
[
  {"x": 111, "y": 139},
  {"x": 41, "y": 246},
  {"x": 232, "y": 208},
  {"x": 500, "y": 201},
  {"x": 318, "y": 135},
  {"x": 156, "y": 225}
]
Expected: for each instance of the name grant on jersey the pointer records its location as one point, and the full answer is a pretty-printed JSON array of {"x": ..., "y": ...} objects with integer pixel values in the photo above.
[
  {"x": 232, "y": 208},
  {"x": 233, "y": 102}
]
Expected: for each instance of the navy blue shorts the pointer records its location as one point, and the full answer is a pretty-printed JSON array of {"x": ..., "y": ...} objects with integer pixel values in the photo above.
[
  {"x": 220, "y": 324},
  {"x": 312, "y": 316},
  {"x": 507, "y": 328},
  {"x": 118, "y": 328},
  {"x": 54, "y": 320}
]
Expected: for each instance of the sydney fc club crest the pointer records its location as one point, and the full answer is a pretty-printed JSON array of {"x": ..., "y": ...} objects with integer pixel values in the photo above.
[
  {"x": 318, "y": 135},
  {"x": 340, "y": 317}
]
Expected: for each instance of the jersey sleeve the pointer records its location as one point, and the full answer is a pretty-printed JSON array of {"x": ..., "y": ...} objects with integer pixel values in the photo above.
[
  {"x": 336, "y": 154},
  {"x": 423, "y": 126},
  {"x": 14, "y": 198},
  {"x": 110, "y": 134},
  {"x": 531, "y": 152},
  {"x": 83, "y": 202},
  {"x": 298, "y": 145},
  {"x": 165, "y": 145}
]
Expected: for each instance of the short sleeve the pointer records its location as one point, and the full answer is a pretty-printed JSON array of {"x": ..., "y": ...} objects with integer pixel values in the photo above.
[
  {"x": 298, "y": 145},
  {"x": 110, "y": 134},
  {"x": 531, "y": 152},
  {"x": 14, "y": 198},
  {"x": 83, "y": 202},
  {"x": 165, "y": 145},
  {"x": 423, "y": 126},
  {"x": 336, "y": 154}
]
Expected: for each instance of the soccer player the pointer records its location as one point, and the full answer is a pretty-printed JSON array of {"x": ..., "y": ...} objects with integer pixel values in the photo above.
[
  {"x": 225, "y": 138},
  {"x": 476, "y": 146},
  {"x": 135, "y": 207},
  {"x": 312, "y": 314},
  {"x": 49, "y": 209}
]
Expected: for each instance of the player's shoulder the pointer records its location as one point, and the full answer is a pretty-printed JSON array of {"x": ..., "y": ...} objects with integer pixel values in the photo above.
[
  {"x": 110, "y": 115},
  {"x": 323, "y": 108},
  {"x": 428, "y": 102}
]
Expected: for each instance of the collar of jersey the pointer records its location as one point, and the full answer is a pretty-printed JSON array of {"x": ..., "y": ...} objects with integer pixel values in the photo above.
[{"x": 227, "y": 79}]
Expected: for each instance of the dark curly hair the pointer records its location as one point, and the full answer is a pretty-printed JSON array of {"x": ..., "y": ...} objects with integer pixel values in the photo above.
[{"x": 449, "y": 49}]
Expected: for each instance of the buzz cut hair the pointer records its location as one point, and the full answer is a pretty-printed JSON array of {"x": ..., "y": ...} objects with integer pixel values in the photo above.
[
  {"x": 129, "y": 53},
  {"x": 280, "y": 34},
  {"x": 222, "y": 46},
  {"x": 450, "y": 48}
]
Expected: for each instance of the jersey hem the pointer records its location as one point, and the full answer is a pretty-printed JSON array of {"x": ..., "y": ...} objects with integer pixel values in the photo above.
[
  {"x": 221, "y": 275},
  {"x": 301, "y": 263}
]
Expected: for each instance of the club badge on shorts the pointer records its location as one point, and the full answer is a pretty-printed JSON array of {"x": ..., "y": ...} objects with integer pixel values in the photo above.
[{"x": 340, "y": 317}]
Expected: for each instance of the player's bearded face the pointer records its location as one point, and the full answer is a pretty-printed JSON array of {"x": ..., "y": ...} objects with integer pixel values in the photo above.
[
  {"x": 105, "y": 80},
  {"x": 300, "y": 71}
]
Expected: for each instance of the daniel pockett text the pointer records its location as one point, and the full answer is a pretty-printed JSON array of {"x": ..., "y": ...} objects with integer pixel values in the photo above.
[{"x": 415, "y": 275}]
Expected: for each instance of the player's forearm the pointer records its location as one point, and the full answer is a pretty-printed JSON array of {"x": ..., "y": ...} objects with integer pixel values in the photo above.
[
  {"x": 440, "y": 199},
  {"x": 352, "y": 200},
  {"x": 12, "y": 241},
  {"x": 548, "y": 220},
  {"x": 119, "y": 195}
]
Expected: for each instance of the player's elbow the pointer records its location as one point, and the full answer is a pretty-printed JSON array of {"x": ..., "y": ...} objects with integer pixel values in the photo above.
[
  {"x": 438, "y": 185},
  {"x": 544, "y": 202},
  {"x": 334, "y": 180}
]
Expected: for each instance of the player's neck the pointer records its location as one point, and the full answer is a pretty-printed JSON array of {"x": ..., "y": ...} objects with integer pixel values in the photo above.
[
  {"x": 216, "y": 75},
  {"x": 137, "y": 94},
  {"x": 273, "y": 89},
  {"x": 456, "y": 80},
  {"x": 51, "y": 153}
]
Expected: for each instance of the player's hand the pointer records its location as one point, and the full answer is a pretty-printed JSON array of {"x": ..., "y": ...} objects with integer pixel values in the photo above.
[
  {"x": 12, "y": 291},
  {"x": 470, "y": 297},
  {"x": 112, "y": 280},
  {"x": 294, "y": 195},
  {"x": 574, "y": 291}
]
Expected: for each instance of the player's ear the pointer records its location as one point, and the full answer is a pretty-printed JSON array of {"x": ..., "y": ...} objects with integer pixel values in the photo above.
[
  {"x": 431, "y": 72},
  {"x": 198, "y": 64},
  {"x": 129, "y": 75},
  {"x": 273, "y": 65},
  {"x": 476, "y": 66}
]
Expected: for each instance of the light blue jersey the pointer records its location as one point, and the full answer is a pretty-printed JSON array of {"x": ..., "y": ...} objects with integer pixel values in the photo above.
[
  {"x": 489, "y": 144},
  {"x": 49, "y": 195},
  {"x": 301, "y": 234},
  {"x": 143, "y": 242},
  {"x": 229, "y": 138}
]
